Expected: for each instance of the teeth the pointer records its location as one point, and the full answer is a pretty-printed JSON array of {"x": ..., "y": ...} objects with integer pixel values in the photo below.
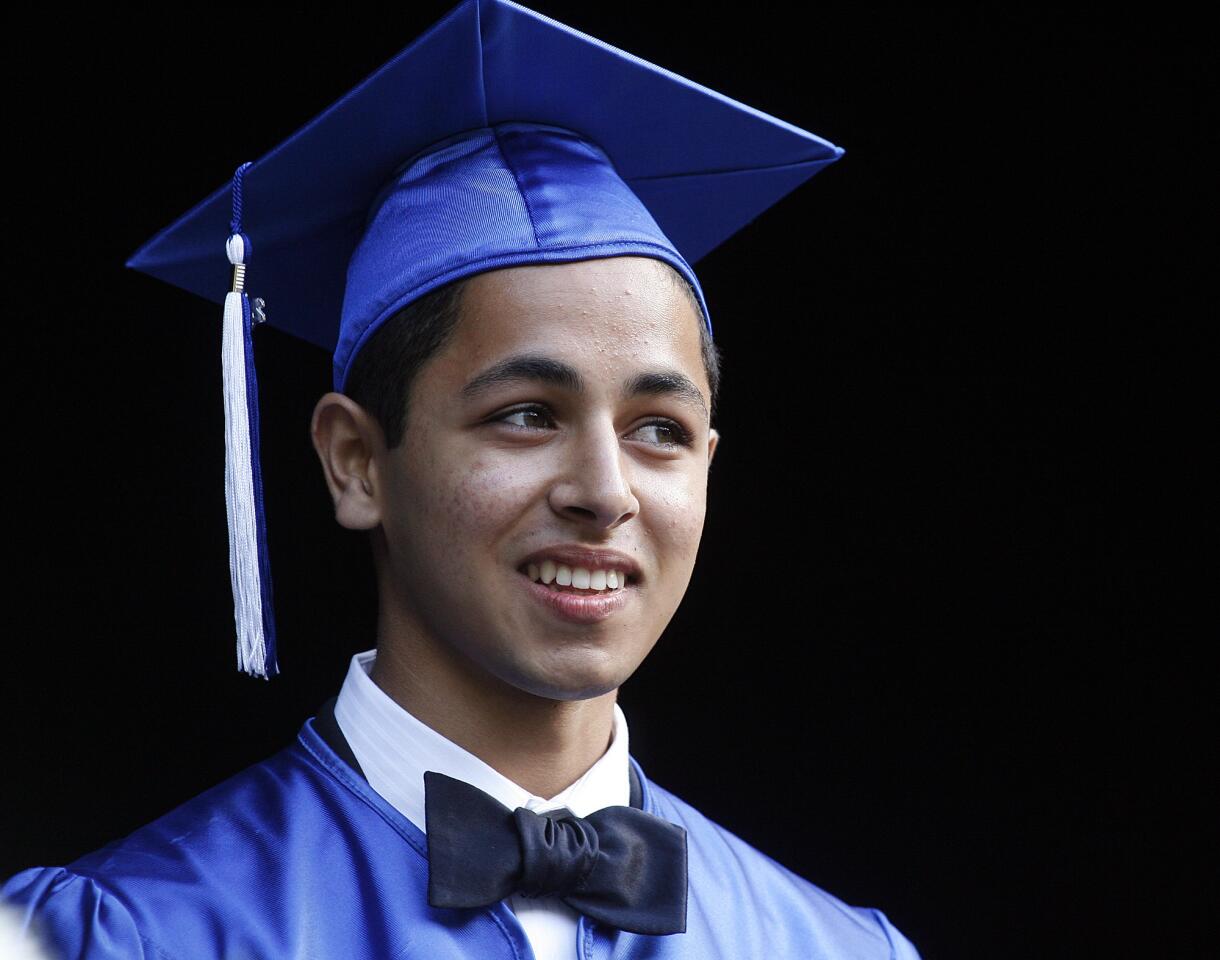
[{"x": 578, "y": 578}]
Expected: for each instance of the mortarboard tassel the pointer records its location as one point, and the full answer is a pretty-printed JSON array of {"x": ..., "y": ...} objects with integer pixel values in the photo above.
[{"x": 249, "y": 563}]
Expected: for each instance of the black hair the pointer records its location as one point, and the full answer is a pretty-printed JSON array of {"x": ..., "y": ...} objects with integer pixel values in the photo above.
[{"x": 380, "y": 377}]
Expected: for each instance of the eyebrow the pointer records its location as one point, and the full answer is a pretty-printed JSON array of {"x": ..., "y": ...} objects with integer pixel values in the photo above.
[
  {"x": 667, "y": 383},
  {"x": 526, "y": 367},
  {"x": 537, "y": 368}
]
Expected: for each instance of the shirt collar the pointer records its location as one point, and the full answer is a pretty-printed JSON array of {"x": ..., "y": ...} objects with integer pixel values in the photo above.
[{"x": 394, "y": 749}]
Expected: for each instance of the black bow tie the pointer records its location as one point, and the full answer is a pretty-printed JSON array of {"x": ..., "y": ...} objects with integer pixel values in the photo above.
[{"x": 620, "y": 866}]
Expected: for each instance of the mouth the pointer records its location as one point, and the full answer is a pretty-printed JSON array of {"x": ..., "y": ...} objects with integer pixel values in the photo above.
[
  {"x": 578, "y": 580},
  {"x": 578, "y": 594}
]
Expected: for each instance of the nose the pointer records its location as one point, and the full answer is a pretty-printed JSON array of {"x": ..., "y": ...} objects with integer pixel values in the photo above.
[{"x": 594, "y": 487}]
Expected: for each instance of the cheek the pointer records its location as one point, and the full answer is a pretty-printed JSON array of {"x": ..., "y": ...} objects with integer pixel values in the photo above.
[
  {"x": 676, "y": 508},
  {"x": 480, "y": 497},
  {"x": 486, "y": 494}
]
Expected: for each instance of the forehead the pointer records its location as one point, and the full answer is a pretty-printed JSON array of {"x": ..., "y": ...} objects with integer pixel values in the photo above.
[{"x": 609, "y": 317}]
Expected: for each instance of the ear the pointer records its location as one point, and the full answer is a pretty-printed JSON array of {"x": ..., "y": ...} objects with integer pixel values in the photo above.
[
  {"x": 348, "y": 441},
  {"x": 713, "y": 438}
]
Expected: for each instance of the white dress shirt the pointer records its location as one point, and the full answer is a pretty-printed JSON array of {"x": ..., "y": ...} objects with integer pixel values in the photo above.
[{"x": 394, "y": 749}]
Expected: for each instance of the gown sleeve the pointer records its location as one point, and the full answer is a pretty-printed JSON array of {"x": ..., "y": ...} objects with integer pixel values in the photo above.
[
  {"x": 72, "y": 917},
  {"x": 900, "y": 947}
]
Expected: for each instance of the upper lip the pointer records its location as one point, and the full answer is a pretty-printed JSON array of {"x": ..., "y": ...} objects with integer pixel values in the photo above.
[{"x": 574, "y": 555}]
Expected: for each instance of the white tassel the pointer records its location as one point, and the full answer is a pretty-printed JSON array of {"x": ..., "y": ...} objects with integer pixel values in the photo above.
[{"x": 239, "y": 478}]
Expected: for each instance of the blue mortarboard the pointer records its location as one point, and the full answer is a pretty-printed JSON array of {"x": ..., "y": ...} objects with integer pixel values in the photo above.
[{"x": 499, "y": 137}]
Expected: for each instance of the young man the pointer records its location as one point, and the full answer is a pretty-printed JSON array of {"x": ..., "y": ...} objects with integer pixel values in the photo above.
[{"x": 524, "y": 380}]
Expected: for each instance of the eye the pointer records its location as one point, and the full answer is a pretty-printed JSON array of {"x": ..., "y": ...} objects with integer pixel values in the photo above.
[
  {"x": 664, "y": 433},
  {"x": 525, "y": 418}
]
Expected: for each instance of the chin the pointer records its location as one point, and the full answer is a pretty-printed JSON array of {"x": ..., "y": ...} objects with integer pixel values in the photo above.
[{"x": 572, "y": 684}]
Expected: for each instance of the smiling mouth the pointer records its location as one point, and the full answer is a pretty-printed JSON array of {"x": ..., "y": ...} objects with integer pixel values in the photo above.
[{"x": 580, "y": 581}]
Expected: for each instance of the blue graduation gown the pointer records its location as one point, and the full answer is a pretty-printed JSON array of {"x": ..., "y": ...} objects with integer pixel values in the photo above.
[{"x": 297, "y": 857}]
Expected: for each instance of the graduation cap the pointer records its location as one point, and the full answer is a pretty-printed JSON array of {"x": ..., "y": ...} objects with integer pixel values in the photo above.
[{"x": 499, "y": 137}]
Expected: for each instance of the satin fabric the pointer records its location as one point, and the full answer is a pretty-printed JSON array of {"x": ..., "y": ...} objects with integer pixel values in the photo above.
[
  {"x": 502, "y": 196},
  {"x": 297, "y": 857},
  {"x": 619, "y": 866},
  {"x": 668, "y": 168}
]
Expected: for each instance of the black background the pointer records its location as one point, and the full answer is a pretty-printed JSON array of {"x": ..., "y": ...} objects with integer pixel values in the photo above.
[{"x": 938, "y": 654}]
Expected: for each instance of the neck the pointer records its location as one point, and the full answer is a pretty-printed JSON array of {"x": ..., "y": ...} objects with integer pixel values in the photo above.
[{"x": 541, "y": 744}]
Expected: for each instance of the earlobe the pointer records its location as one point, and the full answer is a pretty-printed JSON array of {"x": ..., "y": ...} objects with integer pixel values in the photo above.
[{"x": 346, "y": 440}]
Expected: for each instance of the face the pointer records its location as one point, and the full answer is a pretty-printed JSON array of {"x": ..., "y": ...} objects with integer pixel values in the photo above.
[{"x": 542, "y": 515}]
